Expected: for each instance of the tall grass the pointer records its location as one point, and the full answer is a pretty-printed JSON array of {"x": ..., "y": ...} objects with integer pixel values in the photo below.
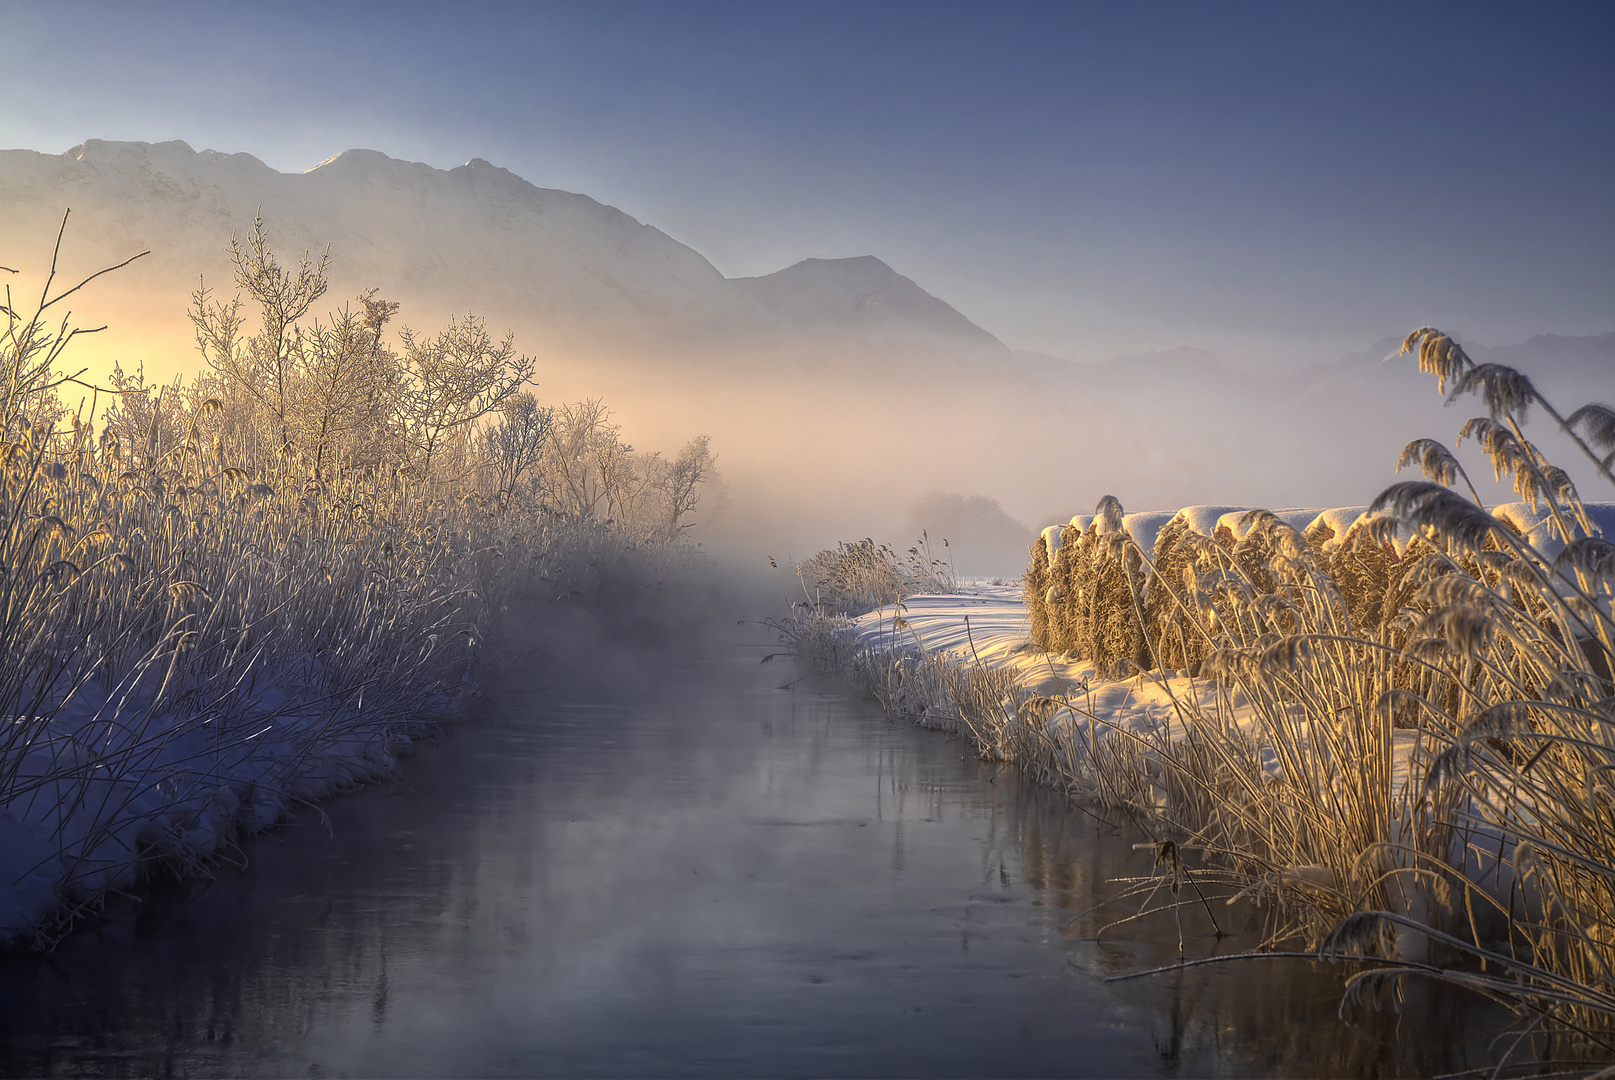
[
  {"x": 197, "y": 634},
  {"x": 857, "y": 577},
  {"x": 1493, "y": 656},
  {"x": 1398, "y": 739}
]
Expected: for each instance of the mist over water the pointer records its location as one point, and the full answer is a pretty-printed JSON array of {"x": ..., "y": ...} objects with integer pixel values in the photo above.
[
  {"x": 646, "y": 857},
  {"x": 936, "y": 276}
]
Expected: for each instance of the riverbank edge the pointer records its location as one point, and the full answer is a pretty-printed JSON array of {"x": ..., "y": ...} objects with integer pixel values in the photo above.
[
  {"x": 966, "y": 664},
  {"x": 305, "y": 754}
]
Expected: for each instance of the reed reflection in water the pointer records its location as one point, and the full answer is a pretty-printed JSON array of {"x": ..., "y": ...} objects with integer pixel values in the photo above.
[{"x": 661, "y": 864}]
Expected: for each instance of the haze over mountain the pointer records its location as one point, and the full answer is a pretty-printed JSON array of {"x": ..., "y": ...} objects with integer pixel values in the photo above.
[
  {"x": 585, "y": 275},
  {"x": 836, "y": 390}
]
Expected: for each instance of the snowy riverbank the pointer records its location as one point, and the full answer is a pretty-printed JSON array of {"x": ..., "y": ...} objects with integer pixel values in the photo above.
[
  {"x": 1061, "y": 698},
  {"x": 102, "y": 791},
  {"x": 1279, "y": 747},
  {"x": 129, "y": 780}
]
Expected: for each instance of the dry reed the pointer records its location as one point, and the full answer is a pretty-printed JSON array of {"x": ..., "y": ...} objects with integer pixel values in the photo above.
[
  {"x": 1411, "y": 748},
  {"x": 197, "y": 635}
]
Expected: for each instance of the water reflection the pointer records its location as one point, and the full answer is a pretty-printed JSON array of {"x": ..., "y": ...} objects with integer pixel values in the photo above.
[{"x": 680, "y": 870}]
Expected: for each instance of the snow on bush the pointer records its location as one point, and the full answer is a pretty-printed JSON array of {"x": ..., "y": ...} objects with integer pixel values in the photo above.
[{"x": 236, "y": 597}]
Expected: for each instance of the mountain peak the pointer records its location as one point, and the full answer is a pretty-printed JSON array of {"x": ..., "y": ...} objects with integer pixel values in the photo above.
[
  {"x": 859, "y": 291},
  {"x": 435, "y": 237},
  {"x": 481, "y": 170},
  {"x": 99, "y": 152},
  {"x": 90, "y": 148},
  {"x": 361, "y": 165},
  {"x": 351, "y": 157}
]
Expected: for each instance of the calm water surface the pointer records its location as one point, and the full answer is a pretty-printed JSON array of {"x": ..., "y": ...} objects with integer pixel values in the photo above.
[{"x": 661, "y": 864}]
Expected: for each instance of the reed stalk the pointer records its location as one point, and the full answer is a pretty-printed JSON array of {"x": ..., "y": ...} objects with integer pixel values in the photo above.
[{"x": 1409, "y": 752}]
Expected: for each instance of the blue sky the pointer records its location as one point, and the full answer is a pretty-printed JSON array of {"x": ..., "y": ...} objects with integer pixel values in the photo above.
[{"x": 1276, "y": 182}]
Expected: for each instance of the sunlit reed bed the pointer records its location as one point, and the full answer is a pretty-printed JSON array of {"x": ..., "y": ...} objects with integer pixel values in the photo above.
[
  {"x": 231, "y": 598},
  {"x": 1389, "y": 724}
]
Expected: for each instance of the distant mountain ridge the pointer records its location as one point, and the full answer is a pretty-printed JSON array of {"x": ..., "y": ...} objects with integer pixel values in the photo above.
[
  {"x": 1570, "y": 370},
  {"x": 575, "y": 271},
  {"x": 809, "y": 379},
  {"x": 474, "y": 236}
]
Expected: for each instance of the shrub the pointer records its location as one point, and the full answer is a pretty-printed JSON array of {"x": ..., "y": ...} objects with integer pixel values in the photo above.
[
  {"x": 856, "y": 577},
  {"x": 247, "y": 592}
]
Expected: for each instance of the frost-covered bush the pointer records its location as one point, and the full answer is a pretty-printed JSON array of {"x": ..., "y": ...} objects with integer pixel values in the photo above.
[{"x": 246, "y": 593}]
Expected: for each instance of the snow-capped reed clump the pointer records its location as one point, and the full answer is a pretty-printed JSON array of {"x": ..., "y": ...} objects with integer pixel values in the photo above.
[
  {"x": 1394, "y": 725},
  {"x": 233, "y": 597},
  {"x": 1485, "y": 636}
]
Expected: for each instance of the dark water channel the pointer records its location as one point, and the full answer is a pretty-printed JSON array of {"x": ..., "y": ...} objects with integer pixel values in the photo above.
[{"x": 659, "y": 864}]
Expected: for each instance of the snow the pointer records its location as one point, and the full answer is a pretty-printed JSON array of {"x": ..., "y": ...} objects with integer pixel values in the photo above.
[
  {"x": 989, "y": 625},
  {"x": 1540, "y": 531},
  {"x": 1535, "y": 525},
  {"x": 1240, "y": 523},
  {"x": 105, "y": 786},
  {"x": 1204, "y": 519},
  {"x": 1339, "y": 520},
  {"x": 29, "y": 870},
  {"x": 1073, "y": 711},
  {"x": 593, "y": 271},
  {"x": 1051, "y": 541},
  {"x": 1602, "y": 517},
  {"x": 1145, "y": 528}
]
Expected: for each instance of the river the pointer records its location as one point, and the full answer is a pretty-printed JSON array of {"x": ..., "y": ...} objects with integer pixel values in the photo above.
[{"x": 649, "y": 859}]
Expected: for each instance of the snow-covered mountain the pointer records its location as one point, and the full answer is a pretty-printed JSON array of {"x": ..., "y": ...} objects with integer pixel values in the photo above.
[
  {"x": 835, "y": 389},
  {"x": 477, "y": 237}
]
